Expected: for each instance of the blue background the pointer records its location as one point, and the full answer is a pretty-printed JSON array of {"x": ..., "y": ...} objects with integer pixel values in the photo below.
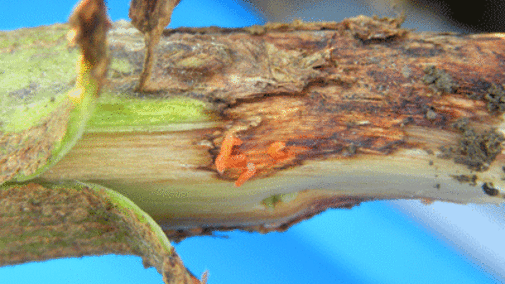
[{"x": 379, "y": 242}]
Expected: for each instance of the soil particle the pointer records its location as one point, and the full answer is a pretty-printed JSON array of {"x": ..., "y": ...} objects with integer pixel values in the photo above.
[
  {"x": 489, "y": 189},
  {"x": 476, "y": 149},
  {"x": 439, "y": 79},
  {"x": 495, "y": 98}
]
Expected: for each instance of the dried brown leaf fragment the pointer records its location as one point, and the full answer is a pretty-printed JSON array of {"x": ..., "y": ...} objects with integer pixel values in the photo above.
[
  {"x": 89, "y": 25},
  {"x": 150, "y": 17}
]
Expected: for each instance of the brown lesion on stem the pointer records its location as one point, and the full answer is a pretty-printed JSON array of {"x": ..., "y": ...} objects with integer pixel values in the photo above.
[{"x": 361, "y": 88}]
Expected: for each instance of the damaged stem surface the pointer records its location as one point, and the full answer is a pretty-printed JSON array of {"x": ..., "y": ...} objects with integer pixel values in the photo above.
[{"x": 357, "y": 110}]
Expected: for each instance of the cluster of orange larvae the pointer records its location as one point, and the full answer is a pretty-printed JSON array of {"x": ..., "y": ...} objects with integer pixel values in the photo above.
[{"x": 226, "y": 160}]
